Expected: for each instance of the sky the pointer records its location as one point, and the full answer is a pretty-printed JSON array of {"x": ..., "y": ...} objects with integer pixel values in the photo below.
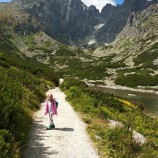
[
  {"x": 101, "y": 3},
  {"x": 119, "y": 1},
  {"x": 5, "y": 0},
  {"x": 98, "y": 3}
]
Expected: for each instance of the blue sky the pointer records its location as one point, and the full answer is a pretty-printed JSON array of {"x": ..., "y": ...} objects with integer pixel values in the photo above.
[
  {"x": 117, "y": 1},
  {"x": 101, "y": 3},
  {"x": 5, "y": 0},
  {"x": 98, "y": 3}
]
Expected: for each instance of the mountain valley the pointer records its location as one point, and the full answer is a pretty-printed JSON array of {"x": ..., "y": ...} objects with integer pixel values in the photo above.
[{"x": 129, "y": 60}]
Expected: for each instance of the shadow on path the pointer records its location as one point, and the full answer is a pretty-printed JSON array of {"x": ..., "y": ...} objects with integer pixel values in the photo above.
[
  {"x": 35, "y": 147},
  {"x": 64, "y": 129}
]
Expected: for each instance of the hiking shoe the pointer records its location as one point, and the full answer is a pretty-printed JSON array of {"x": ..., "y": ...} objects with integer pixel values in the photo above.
[{"x": 52, "y": 126}]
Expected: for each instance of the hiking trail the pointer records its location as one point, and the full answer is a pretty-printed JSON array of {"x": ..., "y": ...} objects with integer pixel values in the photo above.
[{"x": 68, "y": 140}]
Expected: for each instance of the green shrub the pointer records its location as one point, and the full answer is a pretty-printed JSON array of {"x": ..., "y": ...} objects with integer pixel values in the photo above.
[
  {"x": 8, "y": 147},
  {"x": 133, "y": 80},
  {"x": 147, "y": 57},
  {"x": 73, "y": 92}
]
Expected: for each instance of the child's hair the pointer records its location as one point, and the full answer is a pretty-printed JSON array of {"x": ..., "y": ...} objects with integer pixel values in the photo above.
[{"x": 49, "y": 96}]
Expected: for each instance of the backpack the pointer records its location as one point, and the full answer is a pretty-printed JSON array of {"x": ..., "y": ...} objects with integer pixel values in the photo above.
[{"x": 56, "y": 104}]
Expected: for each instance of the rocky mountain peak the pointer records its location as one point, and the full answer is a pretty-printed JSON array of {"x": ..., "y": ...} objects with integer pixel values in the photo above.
[
  {"x": 115, "y": 18},
  {"x": 71, "y": 21},
  {"x": 141, "y": 24},
  {"x": 66, "y": 20}
]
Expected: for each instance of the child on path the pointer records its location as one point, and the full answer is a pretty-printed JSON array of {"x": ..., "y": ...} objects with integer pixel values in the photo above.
[{"x": 51, "y": 109}]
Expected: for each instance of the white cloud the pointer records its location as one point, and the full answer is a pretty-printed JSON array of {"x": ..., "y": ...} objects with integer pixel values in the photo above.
[{"x": 98, "y": 3}]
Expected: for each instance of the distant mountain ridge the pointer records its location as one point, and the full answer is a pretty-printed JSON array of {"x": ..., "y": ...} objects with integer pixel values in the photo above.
[
  {"x": 116, "y": 18},
  {"x": 71, "y": 21},
  {"x": 65, "y": 20}
]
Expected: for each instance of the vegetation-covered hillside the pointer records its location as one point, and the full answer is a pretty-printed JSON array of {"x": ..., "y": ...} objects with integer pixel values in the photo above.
[
  {"x": 132, "y": 59},
  {"x": 98, "y": 108},
  {"x": 23, "y": 83}
]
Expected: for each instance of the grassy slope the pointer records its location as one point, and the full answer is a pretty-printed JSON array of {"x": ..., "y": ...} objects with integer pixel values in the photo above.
[{"x": 23, "y": 82}]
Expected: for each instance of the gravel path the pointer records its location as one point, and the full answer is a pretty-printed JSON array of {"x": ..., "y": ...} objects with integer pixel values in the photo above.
[{"x": 68, "y": 140}]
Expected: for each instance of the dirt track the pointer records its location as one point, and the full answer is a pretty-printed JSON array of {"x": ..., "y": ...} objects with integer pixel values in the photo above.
[{"x": 68, "y": 140}]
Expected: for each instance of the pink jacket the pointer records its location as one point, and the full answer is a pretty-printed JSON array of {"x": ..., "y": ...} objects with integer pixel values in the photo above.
[{"x": 53, "y": 107}]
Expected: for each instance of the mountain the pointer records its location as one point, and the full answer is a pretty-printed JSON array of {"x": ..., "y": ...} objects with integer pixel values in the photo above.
[
  {"x": 132, "y": 60},
  {"x": 66, "y": 20},
  {"x": 72, "y": 22},
  {"x": 115, "y": 18},
  {"x": 25, "y": 31}
]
